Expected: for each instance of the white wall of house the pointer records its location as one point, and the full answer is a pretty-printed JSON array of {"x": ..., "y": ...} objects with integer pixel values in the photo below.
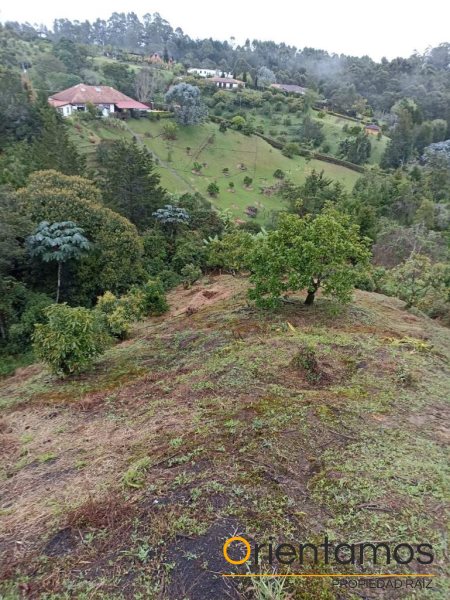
[
  {"x": 208, "y": 72},
  {"x": 227, "y": 85}
]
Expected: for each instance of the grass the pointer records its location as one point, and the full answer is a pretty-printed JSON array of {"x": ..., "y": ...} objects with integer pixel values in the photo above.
[
  {"x": 187, "y": 434},
  {"x": 216, "y": 150},
  {"x": 332, "y": 129}
]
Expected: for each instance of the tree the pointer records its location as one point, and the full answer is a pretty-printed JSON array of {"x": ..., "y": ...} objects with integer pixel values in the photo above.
[
  {"x": 265, "y": 77},
  {"x": 120, "y": 76},
  {"x": 311, "y": 132},
  {"x": 130, "y": 183},
  {"x": 400, "y": 146},
  {"x": 53, "y": 149},
  {"x": 171, "y": 218},
  {"x": 414, "y": 278},
  {"x": 356, "y": 149},
  {"x": 58, "y": 242},
  {"x": 213, "y": 189},
  {"x": 238, "y": 122},
  {"x": 322, "y": 252},
  {"x": 187, "y": 104},
  {"x": 147, "y": 83},
  {"x": 115, "y": 261},
  {"x": 290, "y": 149}
]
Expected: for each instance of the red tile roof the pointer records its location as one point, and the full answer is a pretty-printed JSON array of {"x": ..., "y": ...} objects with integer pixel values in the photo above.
[{"x": 95, "y": 94}]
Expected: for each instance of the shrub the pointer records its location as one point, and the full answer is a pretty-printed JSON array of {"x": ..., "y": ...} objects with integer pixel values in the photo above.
[
  {"x": 190, "y": 273},
  {"x": 154, "y": 298},
  {"x": 238, "y": 122},
  {"x": 248, "y": 181},
  {"x": 231, "y": 252},
  {"x": 305, "y": 360},
  {"x": 291, "y": 149},
  {"x": 279, "y": 174},
  {"x": 70, "y": 339},
  {"x": 170, "y": 131},
  {"x": 213, "y": 189},
  {"x": 116, "y": 313},
  {"x": 20, "y": 333}
]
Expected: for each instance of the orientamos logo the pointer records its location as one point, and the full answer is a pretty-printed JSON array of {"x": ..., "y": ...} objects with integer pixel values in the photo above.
[{"x": 238, "y": 550}]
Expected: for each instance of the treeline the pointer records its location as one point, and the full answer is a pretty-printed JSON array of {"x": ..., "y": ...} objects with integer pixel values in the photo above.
[{"x": 346, "y": 81}]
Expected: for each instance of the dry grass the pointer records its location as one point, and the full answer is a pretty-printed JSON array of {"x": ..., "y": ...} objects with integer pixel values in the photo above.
[{"x": 232, "y": 435}]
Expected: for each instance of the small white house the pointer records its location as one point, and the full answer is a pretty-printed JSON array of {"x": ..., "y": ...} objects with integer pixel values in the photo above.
[
  {"x": 208, "y": 72},
  {"x": 228, "y": 83}
]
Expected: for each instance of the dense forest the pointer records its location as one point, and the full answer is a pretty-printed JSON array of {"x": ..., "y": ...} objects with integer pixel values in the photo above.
[{"x": 108, "y": 226}]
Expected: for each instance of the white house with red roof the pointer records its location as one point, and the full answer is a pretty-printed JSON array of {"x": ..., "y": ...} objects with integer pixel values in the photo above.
[
  {"x": 228, "y": 83},
  {"x": 104, "y": 97}
]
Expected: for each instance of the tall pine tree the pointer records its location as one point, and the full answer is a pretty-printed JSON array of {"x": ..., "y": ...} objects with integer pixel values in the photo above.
[
  {"x": 52, "y": 149},
  {"x": 130, "y": 184}
]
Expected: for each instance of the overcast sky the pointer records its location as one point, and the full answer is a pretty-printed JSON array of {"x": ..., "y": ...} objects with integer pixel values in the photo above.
[{"x": 383, "y": 28}]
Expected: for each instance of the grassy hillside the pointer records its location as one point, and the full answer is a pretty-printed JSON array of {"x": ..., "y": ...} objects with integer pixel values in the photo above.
[
  {"x": 276, "y": 126},
  {"x": 217, "y": 150},
  {"x": 124, "y": 482}
]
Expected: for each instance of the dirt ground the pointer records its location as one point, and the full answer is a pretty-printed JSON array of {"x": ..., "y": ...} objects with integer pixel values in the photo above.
[{"x": 208, "y": 422}]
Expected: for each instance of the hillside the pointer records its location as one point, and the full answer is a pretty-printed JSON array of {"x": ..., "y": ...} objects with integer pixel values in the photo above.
[
  {"x": 124, "y": 482},
  {"x": 215, "y": 151}
]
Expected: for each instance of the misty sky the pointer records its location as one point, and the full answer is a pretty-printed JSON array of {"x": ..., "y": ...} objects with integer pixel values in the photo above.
[{"x": 383, "y": 28}]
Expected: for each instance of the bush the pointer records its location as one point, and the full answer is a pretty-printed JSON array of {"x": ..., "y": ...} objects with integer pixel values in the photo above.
[
  {"x": 33, "y": 312},
  {"x": 305, "y": 360},
  {"x": 116, "y": 314},
  {"x": 190, "y": 273},
  {"x": 70, "y": 339},
  {"x": 154, "y": 298},
  {"x": 291, "y": 149},
  {"x": 279, "y": 174},
  {"x": 213, "y": 189},
  {"x": 170, "y": 131}
]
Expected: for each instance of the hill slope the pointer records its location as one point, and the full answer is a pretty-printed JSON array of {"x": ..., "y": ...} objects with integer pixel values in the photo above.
[
  {"x": 124, "y": 482},
  {"x": 217, "y": 151}
]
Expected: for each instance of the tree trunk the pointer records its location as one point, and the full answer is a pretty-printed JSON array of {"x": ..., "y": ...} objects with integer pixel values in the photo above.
[
  {"x": 310, "y": 298},
  {"x": 59, "y": 282}
]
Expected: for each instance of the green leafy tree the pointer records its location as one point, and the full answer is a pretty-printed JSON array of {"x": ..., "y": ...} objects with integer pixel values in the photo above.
[
  {"x": 187, "y": 104},
  {"x": 190, "y": 273},
  {"x": 230, "y": 253},
  {"x": 415, "y": 277},
  {"x": 70, "y": 339},
  {"x": 265, "y": 77},
  {"x": 400, "y": 146},
  {"x": 213, "y": 189},
  {"x": 115, "y": 262},
  {"x": 291, "y": 149},
  {"x": 308, "y": 253},
  {"x": 238, "y": 122},
  {"x": 310, "y": 132},
  {"x": 171, "y": 218},
  {"x": 356, "y": 149},
  {"x": 130, "y": 184},
  {"x": 58, "y": 242}
]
